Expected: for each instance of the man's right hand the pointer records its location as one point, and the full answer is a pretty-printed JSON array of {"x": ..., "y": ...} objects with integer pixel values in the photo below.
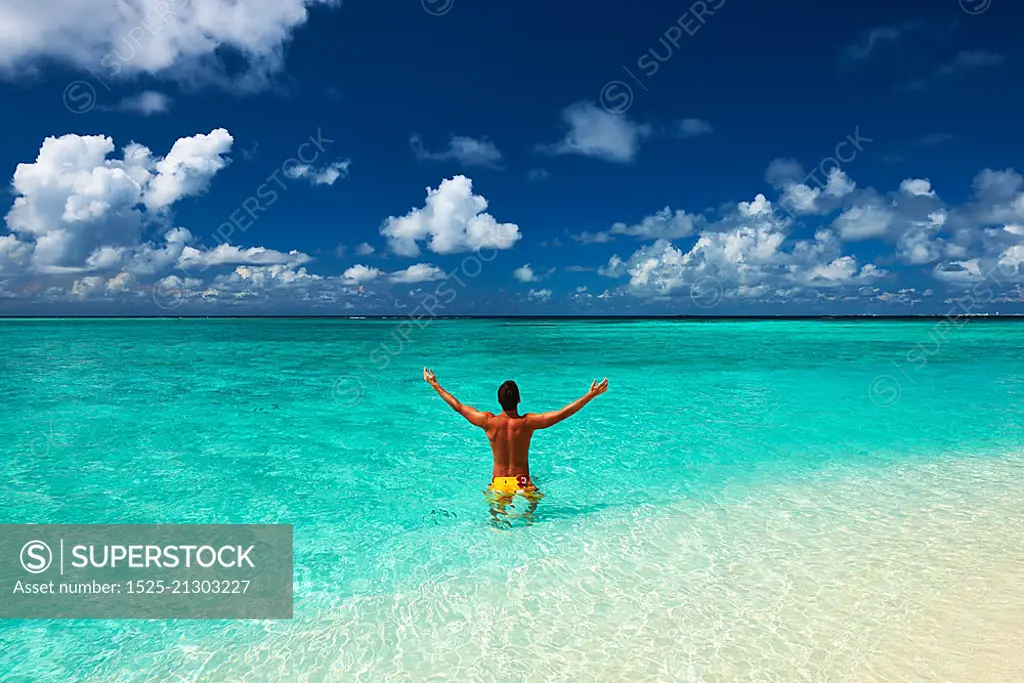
[
  {"x": 431, "y": 379},
  {"x": 545, "y": 420}
]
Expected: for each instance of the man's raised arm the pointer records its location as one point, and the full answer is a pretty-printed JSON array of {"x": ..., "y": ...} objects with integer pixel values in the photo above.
[
  {"x": 472, "y": 414},
  {"x": 545, "y": 420}
]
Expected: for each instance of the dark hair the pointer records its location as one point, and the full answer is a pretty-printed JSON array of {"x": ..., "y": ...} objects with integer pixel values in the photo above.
[{"x": 508, "y": 395}]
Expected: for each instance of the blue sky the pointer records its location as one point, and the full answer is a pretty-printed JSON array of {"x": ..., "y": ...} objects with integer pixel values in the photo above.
[{"x": 581, "y": 157}]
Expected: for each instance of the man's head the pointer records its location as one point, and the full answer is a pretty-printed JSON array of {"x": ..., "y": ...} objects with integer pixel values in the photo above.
[{"x": 508, "y": 396}]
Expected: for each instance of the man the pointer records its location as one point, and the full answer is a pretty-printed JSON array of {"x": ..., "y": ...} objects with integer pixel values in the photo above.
[{"x": 510, "y": 433}]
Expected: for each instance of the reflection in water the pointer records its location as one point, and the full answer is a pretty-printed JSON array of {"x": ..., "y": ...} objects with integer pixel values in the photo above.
[{"x": 503, "y": 503}]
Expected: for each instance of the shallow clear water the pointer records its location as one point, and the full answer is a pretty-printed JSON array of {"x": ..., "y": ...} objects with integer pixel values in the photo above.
[{"x": 750, "y": 501}]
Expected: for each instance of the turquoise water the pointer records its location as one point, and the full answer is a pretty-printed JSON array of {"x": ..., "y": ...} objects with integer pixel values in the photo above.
[{"x": 769, "y": 500}]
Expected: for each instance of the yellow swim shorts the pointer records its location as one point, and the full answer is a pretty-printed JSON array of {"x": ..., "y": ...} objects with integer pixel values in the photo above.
[{"x": 513, "y": 485}]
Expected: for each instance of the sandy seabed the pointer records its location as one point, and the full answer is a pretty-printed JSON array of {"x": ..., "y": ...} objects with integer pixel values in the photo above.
[{"x": 912, "y": 573}]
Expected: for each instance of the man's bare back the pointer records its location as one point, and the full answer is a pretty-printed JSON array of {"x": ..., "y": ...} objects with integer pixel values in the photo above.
[{"x": 509, "y": 432}]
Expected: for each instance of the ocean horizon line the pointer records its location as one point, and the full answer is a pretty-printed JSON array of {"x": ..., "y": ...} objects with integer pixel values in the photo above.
[{"x": 681, "y": 317}]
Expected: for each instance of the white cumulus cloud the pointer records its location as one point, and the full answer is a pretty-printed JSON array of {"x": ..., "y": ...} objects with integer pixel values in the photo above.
[
  {"x": 74, "y": 199},
  {"x": 525, "y": 273},
  {"x": 228, "y": 254},
  {"x": 539, "y": 294},
  {"x": 187, "y": 168},
  {"x": 919, "y": 187},
  {"x": 664, "y": 224},
  {"x": 466, "y": 150},
  {"x": 147, "y": 103},
  {"x": 690, "y": 128},
  {"x": 746, "y": 255},
  {"x": 420, "y": 272},
  {"x": 864, "y": 222},
  {"x": 595, "y": 132},
  {"x": 319, "y": 176},
  {"x": 453, "y": 220},
  {"x": 360, "y": 274},
  {"x": 181, "y": 39}
]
